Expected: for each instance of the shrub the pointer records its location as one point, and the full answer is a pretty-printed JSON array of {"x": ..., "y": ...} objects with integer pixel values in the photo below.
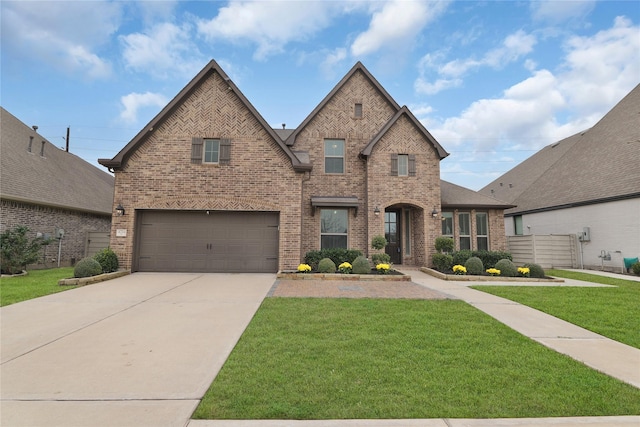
[
  {"x": 460, "y": 257},
  {"x": 474, "y": 266},
  {"x": 444, "y": 244},
  {"x": 442, "y": 262},
  {"x": 378, "y": 242},
  {"x": 108, "y": 260},
  {"x": 361, "y": 266},
  {"x": 87, "y": 267},
  {"x": 490, "y": 258},
  {"x": 337, "y": 255},
  {"x": 507, "y": 268},
  {"x": 636, "y": 268},
  {"x": 536, "y": 271},
  {"x": 17, "y": 250},
  {"x": 326, "y": 266},
  {"x": 380, "y": 259}
]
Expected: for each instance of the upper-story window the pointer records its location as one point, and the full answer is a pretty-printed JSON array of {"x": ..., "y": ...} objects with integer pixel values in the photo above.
[
  {"x": 357, "y": 111},
  {"x": 403, "y": 165},
  {"x": 334, "y": 156},
  {"x": 211, "y": 151}
]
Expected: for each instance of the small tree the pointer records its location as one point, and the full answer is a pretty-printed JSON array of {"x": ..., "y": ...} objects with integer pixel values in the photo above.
[
  {"x": 378, "y": 242},
  {"x": 444, "y": 244},
  {"x": 17, "y": 250}
]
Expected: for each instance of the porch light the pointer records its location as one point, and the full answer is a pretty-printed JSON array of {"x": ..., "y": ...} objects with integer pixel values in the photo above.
[
  {"x": 119, "y": 210},
  {"x": 434, "y": 213},
  {"x": 376, "y": 211}
]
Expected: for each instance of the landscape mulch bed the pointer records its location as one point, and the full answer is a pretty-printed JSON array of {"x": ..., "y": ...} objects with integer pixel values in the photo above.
[{"x": 352, "y": 289}]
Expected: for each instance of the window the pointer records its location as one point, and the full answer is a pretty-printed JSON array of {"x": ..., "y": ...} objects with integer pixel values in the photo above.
[
  {"x": 407, "y": 232},
  {"x": 333, "y": 228},
  {"x": 482, "y": 231},
  {"x": 357, "y": 111},
  {"x": 447, "y": 224},
  {"x": 465, "y": 230},
  {"x": 517, "y": 225},
  {"x": 403, "y": 165},
  {"x": 334, "y": 156},
  {"x": 211, "y": 151}
]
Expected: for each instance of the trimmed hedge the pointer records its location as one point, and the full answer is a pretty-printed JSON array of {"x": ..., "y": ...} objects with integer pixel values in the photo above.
[
  {"x": 445, "y": 244},
  {"x": 474, "y": 266},
  {"x": 108, "y": 260},
  {"x": 361, "y": 266},
  {"x": 536, "y": 271},
  {"x": 488, "y": 258},
  {"x": 326, "y": 266},
  {"x": 380, "y": 259},
  {"x": 87, "y": 267},
  {"x": 507, "y": 268},
  {"x": 442, "y": 262},
  {"x": 337, "y": 255}
]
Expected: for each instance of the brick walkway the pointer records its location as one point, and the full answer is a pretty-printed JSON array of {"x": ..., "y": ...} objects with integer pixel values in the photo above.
[{"x": 352, "y": 289}]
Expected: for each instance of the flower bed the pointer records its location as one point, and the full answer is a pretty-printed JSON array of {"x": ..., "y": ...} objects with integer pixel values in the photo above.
[
  {"x": 470, "y": 278},
  {"x": 392, "y": 276}
]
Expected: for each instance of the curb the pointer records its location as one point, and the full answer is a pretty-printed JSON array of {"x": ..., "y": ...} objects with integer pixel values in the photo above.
[
  {"x": 344, "y": 277},
  {"x": 83, "y": 281}
]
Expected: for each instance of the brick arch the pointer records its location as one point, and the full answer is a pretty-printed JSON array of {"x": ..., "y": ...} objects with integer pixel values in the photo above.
[
  {"x": 407, "y": 202},
  {"x": 224, "y": 203}
]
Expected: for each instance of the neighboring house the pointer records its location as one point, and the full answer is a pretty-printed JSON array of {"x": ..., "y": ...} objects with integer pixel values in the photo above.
[
  {"x": 208, "y": 185},
  {"x": 586, "y": 186},
  {"x": 48, "y": 189}
]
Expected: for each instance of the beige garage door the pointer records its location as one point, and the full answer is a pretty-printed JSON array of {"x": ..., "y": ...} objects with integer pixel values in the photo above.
[{"x": 218, "y": 242}]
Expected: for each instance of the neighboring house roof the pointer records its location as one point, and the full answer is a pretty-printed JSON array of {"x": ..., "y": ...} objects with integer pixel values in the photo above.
[
  {"x": 594, "y": 166},
  {"x": 57, "y": 179},
  {"x": 454, "y": 196},
  {"x": 358, "y": 67},
  {"x": 211, "y": 67},
  {"x": 404, "y": 111}
]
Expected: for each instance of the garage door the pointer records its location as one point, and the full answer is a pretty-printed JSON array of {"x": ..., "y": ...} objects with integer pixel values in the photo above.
[{"x": 218, "y": 242}]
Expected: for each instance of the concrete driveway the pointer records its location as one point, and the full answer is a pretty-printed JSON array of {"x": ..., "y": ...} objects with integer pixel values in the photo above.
[{"x": 140, "y": 350}]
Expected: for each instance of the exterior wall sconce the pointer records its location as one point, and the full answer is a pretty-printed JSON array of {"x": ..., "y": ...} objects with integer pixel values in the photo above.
[
  {"x": 119, "y": 210},
  {"x": 376, "y": 211},
  {"x": 434, "y": 213}
]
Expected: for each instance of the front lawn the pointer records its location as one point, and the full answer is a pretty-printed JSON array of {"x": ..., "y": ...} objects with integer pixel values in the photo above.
[
  {"x": 612, "y": 312},
  {"x": 35, "y": 284},
  {"x": 365, "y": 358}
]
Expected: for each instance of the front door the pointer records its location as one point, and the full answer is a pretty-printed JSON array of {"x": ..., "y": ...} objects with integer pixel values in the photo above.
[{"x": 392, "y": 234}]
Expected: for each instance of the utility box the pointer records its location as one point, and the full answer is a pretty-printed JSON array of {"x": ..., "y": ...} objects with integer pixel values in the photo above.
[{"x": 586, "y": 234}]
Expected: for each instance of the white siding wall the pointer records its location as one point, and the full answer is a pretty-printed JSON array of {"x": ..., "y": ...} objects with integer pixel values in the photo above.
[{"x": 615, "y": 228}]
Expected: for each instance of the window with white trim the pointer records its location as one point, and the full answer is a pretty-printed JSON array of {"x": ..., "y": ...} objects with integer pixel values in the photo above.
[
  {"x": 482, "y": 231},
  {"x": 333, "y": 228},
  {"x": 211, "y": 151},
  {"x": 447, "y": 224},
  {"x": 464, "y": 229},
  {"x": 403, "y": 165},
  {"x": 334, "y": 156}
]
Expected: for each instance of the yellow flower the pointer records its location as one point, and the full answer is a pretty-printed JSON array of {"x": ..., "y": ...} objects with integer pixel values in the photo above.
[
  {"x": 524, "y": 271},
  {"x": 345, "y": 265},
  {"x": 493, "y": 272},
  {"x": 304, "y": 268},
  {"x": 459, "y": 269}
]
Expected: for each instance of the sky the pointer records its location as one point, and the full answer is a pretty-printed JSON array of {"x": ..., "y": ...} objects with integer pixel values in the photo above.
[{"x": 492, "y": 81}]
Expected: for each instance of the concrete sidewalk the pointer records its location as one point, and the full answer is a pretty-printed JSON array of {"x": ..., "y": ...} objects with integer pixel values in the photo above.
[
  {"x": 618, "y": 360},
  {"x": 140, "y": 350}
]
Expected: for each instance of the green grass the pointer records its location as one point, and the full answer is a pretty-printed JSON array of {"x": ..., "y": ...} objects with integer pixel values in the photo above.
[
  {"x": 35, "y": 284},
  {"x": 363, "y": 358},
  {"x": 612, "y": 312}
]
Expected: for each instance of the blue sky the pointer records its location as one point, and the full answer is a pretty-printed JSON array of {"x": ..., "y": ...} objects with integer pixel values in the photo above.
[{"x": 493, "y": 81}]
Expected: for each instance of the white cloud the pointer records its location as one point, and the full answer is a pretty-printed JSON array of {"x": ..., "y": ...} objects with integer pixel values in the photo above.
[
  {"x": 163, "y": 50},
  {"x": 133, "y": 102},
  {"x": 65, "y": 35},
  {"x": 269, "y": 25},
  {"x": 396, "y": 23},
  {"x": 596, "y": 73},
  {"x": 556, "y": 12},
  {"x": 332, "y": 60},
  {"x": 513, "y": 47}
]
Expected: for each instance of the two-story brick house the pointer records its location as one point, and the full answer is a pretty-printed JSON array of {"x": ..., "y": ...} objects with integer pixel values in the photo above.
[{"x": 208, "y": 185}]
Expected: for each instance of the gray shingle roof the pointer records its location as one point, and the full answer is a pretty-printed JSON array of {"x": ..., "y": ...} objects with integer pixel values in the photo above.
[
  {"x": 455, "y": 196},
  {"x": 57, "y": 179},
  {"x": 594, "y": 166}
]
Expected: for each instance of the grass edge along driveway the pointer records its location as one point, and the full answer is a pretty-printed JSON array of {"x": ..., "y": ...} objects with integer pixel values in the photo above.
[
  {"x": 36, "y": 283},
  {"x": 611, "y": 312},
  {"x": 367, "y": 358}
]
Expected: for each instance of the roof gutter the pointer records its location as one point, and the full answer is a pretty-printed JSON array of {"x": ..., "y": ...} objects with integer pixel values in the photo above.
[{"x": 576, "y": 204}]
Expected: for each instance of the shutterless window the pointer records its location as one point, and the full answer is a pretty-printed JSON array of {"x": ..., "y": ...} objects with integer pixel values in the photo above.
[
  {"x": 407, "y": 232},
  {"x": 482, "y": 231},
  {"x": 357, "y": 111},
  {"x": 447, "y": 224},
  {"x": 211, "y": 151},
  {"x": 464, "y": 228},
  {"x": 333, "y": 228},
  {"x": 517, "y": 225},
  {"x": 333, "y": 156}
]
